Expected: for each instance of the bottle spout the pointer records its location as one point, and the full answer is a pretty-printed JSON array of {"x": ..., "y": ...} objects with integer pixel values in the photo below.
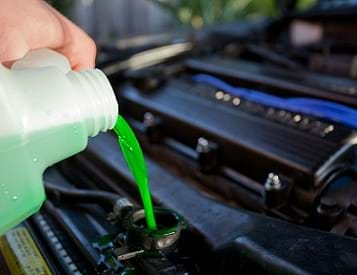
[{"x": 98, "y": 105}]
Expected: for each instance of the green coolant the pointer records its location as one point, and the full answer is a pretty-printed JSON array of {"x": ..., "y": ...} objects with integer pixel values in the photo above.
[
  {"x": 22, "y": 162},
  {"x": 136, "y": 162}
]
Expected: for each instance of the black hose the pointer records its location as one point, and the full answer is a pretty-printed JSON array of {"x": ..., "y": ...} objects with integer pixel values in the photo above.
[{"x": 73, "y": 195}]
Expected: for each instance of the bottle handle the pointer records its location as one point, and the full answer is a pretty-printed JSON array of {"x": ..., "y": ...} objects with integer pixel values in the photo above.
[{"x": 43, "y": 58}]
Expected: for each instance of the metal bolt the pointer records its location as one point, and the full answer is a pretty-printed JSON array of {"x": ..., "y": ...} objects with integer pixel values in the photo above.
[
  {"x": 123, "y": 202},
  {"x": 305, "y": 121},
  {"x": 121, "y": 206},
  {"x": 273, "y": 182},
  {"x": 202, "y": 145},
  {"x": 329, "y": 129},
  {"x": 149, "y": 119},
  {"x": 236, "y": 101},
  {"x": 226, "y": 97},
  {"x": 297, "y": 118},
  {"x": 281, "y": 113},
  {"x": 219, "y": 94}
]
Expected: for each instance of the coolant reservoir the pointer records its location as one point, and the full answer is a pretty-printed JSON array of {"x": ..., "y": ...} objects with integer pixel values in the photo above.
[{"x": 47, "y": 113}]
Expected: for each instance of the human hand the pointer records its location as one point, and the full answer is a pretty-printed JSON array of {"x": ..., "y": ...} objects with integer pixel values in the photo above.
[{"x": 33, "y": 24}]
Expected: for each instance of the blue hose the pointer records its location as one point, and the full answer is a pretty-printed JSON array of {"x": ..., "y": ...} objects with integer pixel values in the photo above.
[{"x": 315, "y": 107}]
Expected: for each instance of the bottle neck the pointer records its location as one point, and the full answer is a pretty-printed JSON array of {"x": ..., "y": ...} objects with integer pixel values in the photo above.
[{"x": 98, "y": 105}]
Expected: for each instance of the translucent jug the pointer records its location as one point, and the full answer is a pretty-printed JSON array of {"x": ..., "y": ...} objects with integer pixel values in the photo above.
[{"x": 47, "y": 113}]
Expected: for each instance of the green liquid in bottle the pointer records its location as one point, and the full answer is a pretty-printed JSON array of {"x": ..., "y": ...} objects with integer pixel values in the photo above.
[{"x": 135, "y": 159}]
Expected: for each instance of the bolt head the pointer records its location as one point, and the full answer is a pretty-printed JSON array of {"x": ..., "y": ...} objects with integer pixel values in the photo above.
[
  {"x": 149, "y": 119},
  {"x": 202, "y": 145},
  {"x": 273, "y": 182}
]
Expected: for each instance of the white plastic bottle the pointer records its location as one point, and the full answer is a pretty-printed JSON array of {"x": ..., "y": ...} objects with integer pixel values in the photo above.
[{"x": 47, "y": 113}]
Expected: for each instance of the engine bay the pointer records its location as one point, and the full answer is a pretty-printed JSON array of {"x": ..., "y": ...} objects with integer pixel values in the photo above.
[{"x": 246, "y": 176}]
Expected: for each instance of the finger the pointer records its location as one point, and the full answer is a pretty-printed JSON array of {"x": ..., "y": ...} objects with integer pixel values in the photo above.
[
  {"x": 13, "y": 47},
  {"x": 81, "y": 53},
  {"x": 78, "y": 47},
  {"x": 21, "y": 33}
]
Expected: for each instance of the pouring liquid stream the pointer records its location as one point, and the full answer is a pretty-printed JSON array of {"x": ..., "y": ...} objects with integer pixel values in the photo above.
[{"x": 134, "y": 157}]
